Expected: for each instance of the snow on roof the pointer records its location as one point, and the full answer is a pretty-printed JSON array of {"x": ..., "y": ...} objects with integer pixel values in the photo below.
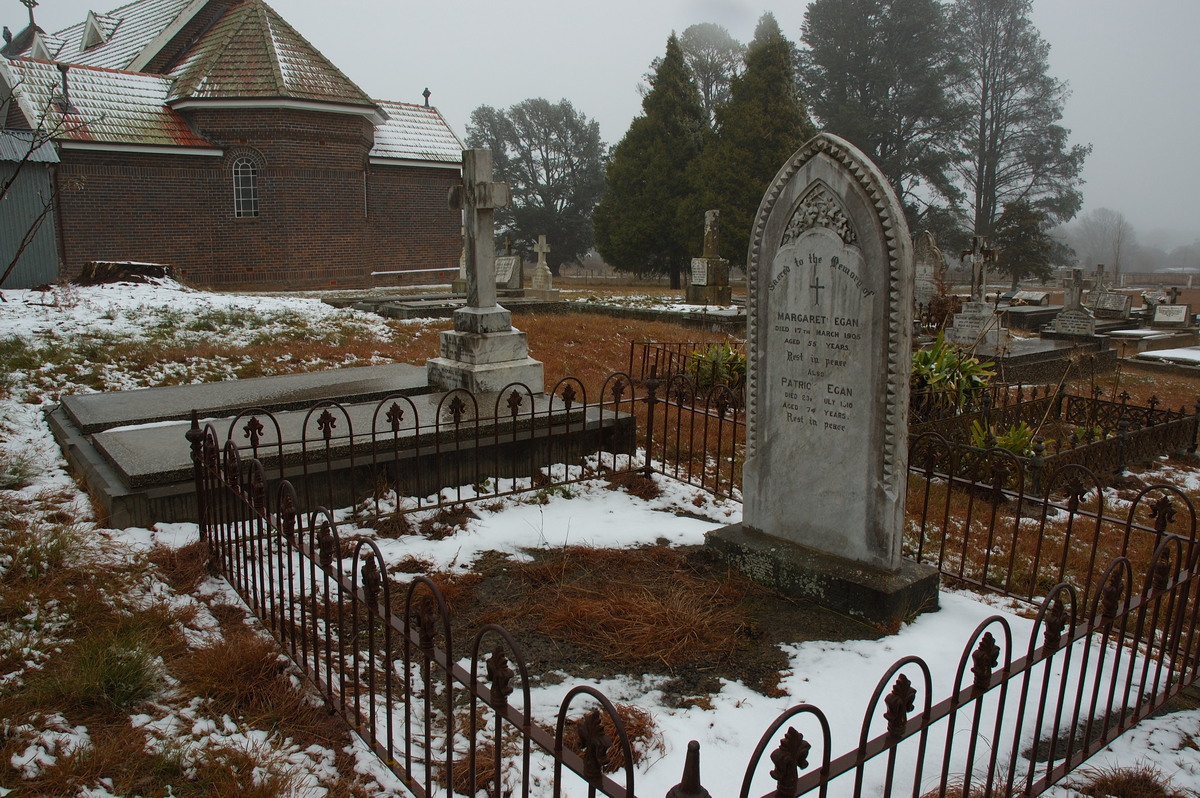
[
  {"x": 252, "y": 52},
  {"x": 129, "y": 28},
  {"x": 415, "y": 132},
  {"x": 106, "y": 105}
]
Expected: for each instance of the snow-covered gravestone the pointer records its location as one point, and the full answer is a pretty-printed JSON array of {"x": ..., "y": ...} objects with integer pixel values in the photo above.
[{"x": 829, "y": 351}]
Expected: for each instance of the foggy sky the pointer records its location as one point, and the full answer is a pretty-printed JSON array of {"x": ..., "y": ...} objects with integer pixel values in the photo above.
[{"x": 1133, "y": 68}]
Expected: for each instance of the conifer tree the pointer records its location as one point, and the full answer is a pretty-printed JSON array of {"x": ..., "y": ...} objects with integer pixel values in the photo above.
[
  {"x": 639, "y": 222},
  {"x": 763, "y": 124}
]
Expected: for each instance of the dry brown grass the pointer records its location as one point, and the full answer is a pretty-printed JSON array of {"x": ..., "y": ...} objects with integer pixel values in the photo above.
[
  {"x": 635, "y": 607},
  {"x": 645, "y": 738},
  {"x": 1138, "y": 781},
  {"x": 183, "y": 568}
]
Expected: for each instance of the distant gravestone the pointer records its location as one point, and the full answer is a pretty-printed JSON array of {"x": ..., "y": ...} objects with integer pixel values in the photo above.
[
  {"x": 1172, "y": 315},
  {"x": 1074, "y": 319},
  {"x": 1112, "y": 306},
  {"x": 543, "y": 280},
  {"x": 928, "y": 265},
  {"x": 977, "y": 324},
  {"x": 829, "y": 339},
  {"x": 508, "y": 272},
  {"x": 1039, "y": 298},
  {"x": 709, "y": 283}
]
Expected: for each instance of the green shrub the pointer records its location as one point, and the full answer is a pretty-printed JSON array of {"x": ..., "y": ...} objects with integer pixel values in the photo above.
[
  {"x": 717, "y": 364},
  {"x": 1017, "y": 439},
  {"x": 943, "y": 378}
]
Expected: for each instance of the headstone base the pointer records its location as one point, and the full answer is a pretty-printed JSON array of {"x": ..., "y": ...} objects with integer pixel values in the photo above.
[
  {"x": 868, "y": 594},
  {"x": 709, "y": 295},
  {"x": 446, "y": 375}
]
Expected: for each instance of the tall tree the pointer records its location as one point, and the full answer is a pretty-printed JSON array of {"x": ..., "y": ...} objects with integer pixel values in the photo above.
[
  {"x": 714, "y": 58},
  {"x": 1016, "y": 148},
  {"x": 1105, "y": 237},
  {"x": 762, "y": 125},
  {"x": 640, "y": 225},
  {"x": 879, "y": 73},
  {"x": 553, "y": 159},
  {"x": 1026, "y": 248}
]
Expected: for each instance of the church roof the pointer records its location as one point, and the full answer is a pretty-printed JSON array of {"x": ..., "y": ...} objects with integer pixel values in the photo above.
[
  {"x": 415, "y": 132},
  {"x": 127, "y": 30},
  {"x": 103, "y": 106},
  {"x": 253, "y": 53}
]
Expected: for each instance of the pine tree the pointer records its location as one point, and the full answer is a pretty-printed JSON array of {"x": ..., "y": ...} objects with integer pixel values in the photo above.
[
  {"x": 880, "y": 73},
  {"x": 760, "y": 127},
  {"x": 639, "y": 222},
  {"x": 1026, "y": 247}
]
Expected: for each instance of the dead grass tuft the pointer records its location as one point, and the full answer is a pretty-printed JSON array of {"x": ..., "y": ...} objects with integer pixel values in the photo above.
[
  {"x": 183, "y": 568},
  {"x": 645, "y": 738},
  {"x": 447, "y": 521},
  {"x": 393, "y": 526},
  {"x": 1138, "y": 781},
  {"x": 639, "y": 606},
  {"x": 639, "y": 485}
]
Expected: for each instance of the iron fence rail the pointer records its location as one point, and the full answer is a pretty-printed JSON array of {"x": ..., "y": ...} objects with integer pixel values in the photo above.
[{"x": 1091, "y": 666}]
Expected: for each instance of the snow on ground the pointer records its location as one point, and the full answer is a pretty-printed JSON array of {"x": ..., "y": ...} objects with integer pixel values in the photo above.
[{"x": 837, "y": 677}]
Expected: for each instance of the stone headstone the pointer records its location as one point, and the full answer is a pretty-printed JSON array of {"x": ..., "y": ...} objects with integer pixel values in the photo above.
[
  {"x": 976, "y": 325},
  {"x": 709, "y": 283},
  {"x": 828, "y": 356},
  {"x": 508, "y": 272},
  {"x": 979, "y": 256},
  {"x": 484, "y": 352},
  {"x": 543, "y": 279},
  {"x": 1074, "y": 318},
  {"x": 1172, "y": 316},
  {"x": 928, "y": 266},
  {"x": 1039, "y": 298},
  {"x": 1107, "y": 305}
]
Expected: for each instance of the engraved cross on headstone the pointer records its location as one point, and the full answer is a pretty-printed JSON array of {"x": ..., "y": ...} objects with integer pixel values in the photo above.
[
  {"x": 479, "y": 197},
  {"x": 980, "y": 256}
]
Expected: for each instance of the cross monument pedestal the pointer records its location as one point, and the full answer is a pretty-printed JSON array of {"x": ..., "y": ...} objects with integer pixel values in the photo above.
[
  {"x": 484, "y": 352},
  {"x": 543, "y": 279}
]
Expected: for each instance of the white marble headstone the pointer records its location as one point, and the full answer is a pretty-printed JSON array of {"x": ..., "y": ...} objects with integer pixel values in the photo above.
[{"x": 830, "y": 326}]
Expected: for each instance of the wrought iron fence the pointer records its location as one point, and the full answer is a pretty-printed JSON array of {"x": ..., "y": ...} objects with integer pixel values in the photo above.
[{"x": 1095, "y": 660}]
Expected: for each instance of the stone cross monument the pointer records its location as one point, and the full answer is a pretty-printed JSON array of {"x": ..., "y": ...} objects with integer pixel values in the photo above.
[
  {"x": 543, "y": 280},
  {"x": 483, "y": 353},
  {"x": 829, "y": 318},
  {"x": 977, "y": 324},
  {"x": 928, "y": 266},
  {"x": 709, "y": 284},
  {"x": 1074, "y": 319},
  {"x": 980, "y": 256}
]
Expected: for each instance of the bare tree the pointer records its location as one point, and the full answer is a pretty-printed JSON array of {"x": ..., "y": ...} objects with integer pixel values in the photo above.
[{"x": 1106, "y": 237}]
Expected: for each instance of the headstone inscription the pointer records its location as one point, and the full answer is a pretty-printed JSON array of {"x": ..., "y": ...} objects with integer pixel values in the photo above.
[
  {"x": 543, "y": 279},
  {"x": 928, "y": 266},
  {"x": 508, "y": 272},
  {"x": 709, "y": 283},
  {"x": 483, "y": 353},
  {"x": 1171, "y": 315},
  {"x": 829, "y": 338}
]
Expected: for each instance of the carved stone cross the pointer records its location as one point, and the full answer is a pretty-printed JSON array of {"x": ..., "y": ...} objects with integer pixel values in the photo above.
[
  {"x": 541, "y": 248},
  {"x": 712, "y": 234},
  {"x": 979, "y": 256},
  {"x": 479, "y": 197}
]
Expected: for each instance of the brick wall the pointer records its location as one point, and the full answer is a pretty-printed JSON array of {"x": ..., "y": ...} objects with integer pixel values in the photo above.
[{"x": 326, "y": 217}]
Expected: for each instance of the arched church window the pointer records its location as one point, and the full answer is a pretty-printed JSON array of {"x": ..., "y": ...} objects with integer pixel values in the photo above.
[{"x": 245, "y": 188}]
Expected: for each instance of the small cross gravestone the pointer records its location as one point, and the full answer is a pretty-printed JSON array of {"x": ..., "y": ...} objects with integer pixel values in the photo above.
[
  {"x": 928, "y": 265},
  {"x": 484, "y": 352},
  {"x": 709, "y": 283},
  {"x": 543, "y": 280},
  {"x": 977, "y": 324},
  {"x": 828, "y": 358},
  {"x": 1074, "y": 319}
]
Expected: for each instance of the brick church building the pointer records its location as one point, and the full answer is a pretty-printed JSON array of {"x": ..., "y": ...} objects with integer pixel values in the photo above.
[{"x": 210, "y": 136}]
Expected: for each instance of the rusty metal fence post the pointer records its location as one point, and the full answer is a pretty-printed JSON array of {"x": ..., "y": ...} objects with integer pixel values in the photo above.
[
  {"x": 651, "y": 401},
  {"x": 195, "y": 436}
]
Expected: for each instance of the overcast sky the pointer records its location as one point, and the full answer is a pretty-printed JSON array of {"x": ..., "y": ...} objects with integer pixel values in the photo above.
[{"x": 1133, "y": 68}]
